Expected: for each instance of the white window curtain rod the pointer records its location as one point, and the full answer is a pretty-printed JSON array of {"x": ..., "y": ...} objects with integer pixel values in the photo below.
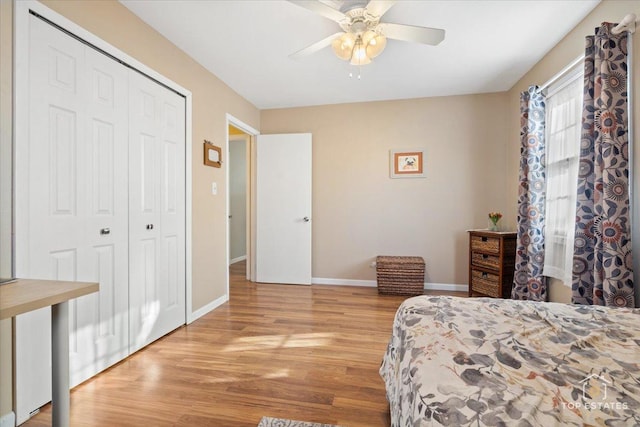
[
  {"x": 561, "y": 73},
  {"x": 628, "y": 23}
]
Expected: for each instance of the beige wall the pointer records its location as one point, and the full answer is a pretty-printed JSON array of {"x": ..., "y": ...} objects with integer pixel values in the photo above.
[
  {"x": 6, "y": 349},
  {"x": 212, "y": 99},
  {"x": 571, "y": 47},
  {"x": 359, "y": 212}
]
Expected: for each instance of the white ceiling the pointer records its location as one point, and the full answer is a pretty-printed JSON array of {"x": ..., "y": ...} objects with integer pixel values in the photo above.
[{"x": 489, "y": 46}]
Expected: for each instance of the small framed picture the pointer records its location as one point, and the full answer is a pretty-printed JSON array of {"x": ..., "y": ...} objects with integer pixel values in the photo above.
[
  {"x": 407, "y": 163},
  {"x": 212, "y": 155}
]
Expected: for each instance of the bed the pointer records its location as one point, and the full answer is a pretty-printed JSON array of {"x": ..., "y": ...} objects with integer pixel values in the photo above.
[{"x": 483, "y": 361}]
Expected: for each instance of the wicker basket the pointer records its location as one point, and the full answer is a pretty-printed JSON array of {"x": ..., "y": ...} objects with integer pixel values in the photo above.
[
  {"x": 484, "y": 260},
  {"x": 400, "y": 275},
  {"x": 488, "y": 244},
  {"x": 485, "y": 283}
]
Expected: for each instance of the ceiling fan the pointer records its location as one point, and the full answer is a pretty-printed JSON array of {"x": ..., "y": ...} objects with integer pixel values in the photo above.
[{"x": 363, "y": 37}]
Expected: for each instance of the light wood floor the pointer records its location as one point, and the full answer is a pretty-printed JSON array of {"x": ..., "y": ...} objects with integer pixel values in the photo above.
[{"x": 310, "y": 353}]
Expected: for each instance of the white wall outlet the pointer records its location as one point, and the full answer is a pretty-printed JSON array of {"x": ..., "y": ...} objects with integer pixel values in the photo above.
[{"x": 373, "y": 264}]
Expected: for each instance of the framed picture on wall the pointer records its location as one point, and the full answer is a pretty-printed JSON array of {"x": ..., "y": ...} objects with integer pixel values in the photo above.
[
  {"x": 407, "y": 163},
  {"x": 212, "y": 155}
]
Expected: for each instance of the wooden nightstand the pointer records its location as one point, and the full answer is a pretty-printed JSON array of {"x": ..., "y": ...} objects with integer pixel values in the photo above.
[{"x": 491, "y": 262}]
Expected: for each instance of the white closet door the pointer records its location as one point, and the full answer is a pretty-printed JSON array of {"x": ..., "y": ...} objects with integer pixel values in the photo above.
[
  {"x": 77, "y": 186},
  {"x": 102, "y": 325},
  {"x": 156, "y": 210}
]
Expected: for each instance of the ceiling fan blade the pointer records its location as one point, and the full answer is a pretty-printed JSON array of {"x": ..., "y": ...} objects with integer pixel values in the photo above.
[
  {"x": 380, "y": 7},
  {"x": 410, "y": 33},
  {"x": 315, "y": 47},
  {"x": 321, "y": 9}
]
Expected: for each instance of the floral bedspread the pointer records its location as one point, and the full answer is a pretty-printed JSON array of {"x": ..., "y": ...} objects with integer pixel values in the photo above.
[{"x": 481, "y": 361}]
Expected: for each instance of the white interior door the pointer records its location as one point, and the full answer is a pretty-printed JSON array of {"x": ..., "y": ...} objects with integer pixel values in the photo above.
[
  {"x": 75, "y": 172},
  {"x": 283, "y": 208},
  {"x": 157, "y": 210}
]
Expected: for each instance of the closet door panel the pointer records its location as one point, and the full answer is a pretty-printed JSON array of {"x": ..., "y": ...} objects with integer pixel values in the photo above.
[
  {"x": 173, "y": 208},
  {"x": 103, "y": 317},
  {"x": 54, "y": 192},
  {"x": 144, "y": 212},
  {"x": 156, "y": 217},
  {"x": 77, "y": 187}
]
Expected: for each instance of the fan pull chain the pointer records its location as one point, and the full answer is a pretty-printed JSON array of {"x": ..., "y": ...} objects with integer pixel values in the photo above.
[{"x": 359, "y": 73}]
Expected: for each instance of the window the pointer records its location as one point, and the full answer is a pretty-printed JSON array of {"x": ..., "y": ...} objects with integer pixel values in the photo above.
[{"x": 562, "y": 135}]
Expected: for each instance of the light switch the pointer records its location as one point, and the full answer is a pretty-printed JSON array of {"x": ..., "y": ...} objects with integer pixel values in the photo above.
[{"x": 214, "y": 188}]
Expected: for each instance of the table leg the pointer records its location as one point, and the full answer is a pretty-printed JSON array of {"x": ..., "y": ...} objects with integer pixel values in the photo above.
[{"x": 60, "y": 364}]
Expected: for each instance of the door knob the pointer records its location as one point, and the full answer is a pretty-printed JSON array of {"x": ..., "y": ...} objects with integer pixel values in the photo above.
[
  {"x": 105, "y": 231},
  {"x": 305, "y": 219},
  {"x": 149, "y": 226}
]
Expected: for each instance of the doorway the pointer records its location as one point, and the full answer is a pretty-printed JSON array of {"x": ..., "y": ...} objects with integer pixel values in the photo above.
[
  {"x": 240, "y": 214},
  {"x": 277, "y": 220},
  {"x": 239, "y": 174}
]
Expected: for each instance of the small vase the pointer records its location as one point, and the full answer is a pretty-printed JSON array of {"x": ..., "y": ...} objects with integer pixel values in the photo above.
[{"x": 493, "y": 226}]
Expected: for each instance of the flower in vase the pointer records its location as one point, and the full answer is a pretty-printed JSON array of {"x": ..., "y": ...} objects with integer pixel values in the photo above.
[{"x": 495, "y": 217}]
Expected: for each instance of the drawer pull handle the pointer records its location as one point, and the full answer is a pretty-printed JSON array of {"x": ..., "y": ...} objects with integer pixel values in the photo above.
[
  {"x": 484, "y": 239},
  {"x": 485, "y": 256},
  {"x": 485, "y": 275}
]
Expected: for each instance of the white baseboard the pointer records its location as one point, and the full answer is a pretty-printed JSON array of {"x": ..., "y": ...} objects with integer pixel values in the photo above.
[
  {"x": 373, "y": 284},
  {"x": 343, "y": 282},
  {"x": 446, "y": 287},
  {"x": 238, "y": 259},
  {"x": 8, "y": 420},
  {"x": 207, "y": 308}
]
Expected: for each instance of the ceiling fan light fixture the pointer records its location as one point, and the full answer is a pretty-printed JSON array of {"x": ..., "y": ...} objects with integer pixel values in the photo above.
[
  {"x": 368, "y": 36},
  {"x": 364, "y": 36},
  {"x": 359, "y": 49},
  {"x": 343, "y": 46},
  {"x": 375, "y": 45}
]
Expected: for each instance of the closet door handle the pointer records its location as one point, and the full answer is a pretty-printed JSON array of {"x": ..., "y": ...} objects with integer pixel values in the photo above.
[
  {"x": 149, "y": 226},
  {"x": 105, "y": 231}
]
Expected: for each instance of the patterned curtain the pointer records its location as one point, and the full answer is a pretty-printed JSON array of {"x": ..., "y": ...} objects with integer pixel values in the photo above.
[
  {"x": 602, "y": 263},
  {"x": 528, "y": 282}
]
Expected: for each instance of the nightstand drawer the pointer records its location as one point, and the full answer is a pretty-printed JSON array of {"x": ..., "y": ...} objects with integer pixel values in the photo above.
[
  {"x": 485, "y": 283},
  {"x": 486, "y": 244},
  {"x": 484, "y": 260}
]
